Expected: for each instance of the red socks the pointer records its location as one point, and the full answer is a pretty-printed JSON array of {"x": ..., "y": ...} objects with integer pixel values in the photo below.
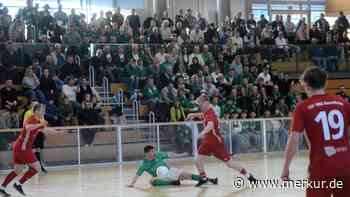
[
  {"x": 9, "y": 178},
  {"x": 243, "y": 172},
  {"x": 29, "y": 174}
]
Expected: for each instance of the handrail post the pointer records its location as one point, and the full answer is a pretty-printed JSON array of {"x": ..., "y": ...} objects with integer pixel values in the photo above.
[
  {"x": 264, "y": 135},
  {"x": 158, "y": 138},
  {"x": 79, "y": 149},
  {"x": 230, "y": 136},
  {"x": 194, "y": 138},
  {"x": 119, "y": 145}
]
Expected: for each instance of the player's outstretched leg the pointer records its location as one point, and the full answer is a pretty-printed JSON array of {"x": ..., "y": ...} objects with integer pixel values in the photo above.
[
  {"x": 200, "y": 167},
  {"x": 34, "y": 168},
  {"x": 160, "y": 182},
  {"x": 10, "y": 177},
  {"x": 241, "y": 170},
  {"x": 199, "y": 179}
]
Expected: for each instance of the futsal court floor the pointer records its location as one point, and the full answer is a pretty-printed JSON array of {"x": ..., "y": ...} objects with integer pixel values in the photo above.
[{"x": 111, "y": 180}]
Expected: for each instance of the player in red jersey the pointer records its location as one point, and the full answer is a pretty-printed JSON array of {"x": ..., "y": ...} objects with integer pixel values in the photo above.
[
  {"x": 22, "y": 150},
  {"x": 212, "y": 142},
  {"x": 325, "y": 120}
]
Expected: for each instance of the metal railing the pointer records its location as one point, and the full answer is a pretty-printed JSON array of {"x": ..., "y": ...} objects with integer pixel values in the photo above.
[
  {"x": 119, "y": 143},
  {"x": 92, "y": 76},
  {"x": 105, "y": 89},
  {"x": 152, "y": 129}
]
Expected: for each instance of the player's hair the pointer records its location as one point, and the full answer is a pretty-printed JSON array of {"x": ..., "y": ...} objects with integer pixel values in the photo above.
[
  {"x": 148, "y": 148},
  {"x": 315, "y": 77},
  {"x": 37, "y": 107},
  {"x": 202, "y": 98}
]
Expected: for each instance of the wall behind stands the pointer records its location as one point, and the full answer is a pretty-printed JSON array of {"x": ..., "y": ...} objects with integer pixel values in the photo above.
[{"x": 333, "y": 7}]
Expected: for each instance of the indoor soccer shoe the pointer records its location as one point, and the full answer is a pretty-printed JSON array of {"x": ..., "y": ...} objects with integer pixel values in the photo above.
[
  {"x": 202, "y": 181},
  {"x": 19, "y": 188},
  {"x": 3, "y": 193},
  {"x": 251, "y": 179},
  {"x": 214, "y": 181},
  {"x": 177, "y": 182}
]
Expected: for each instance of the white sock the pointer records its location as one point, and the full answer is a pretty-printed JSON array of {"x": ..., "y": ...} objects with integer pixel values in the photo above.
[{"x": 1, "y": 187}]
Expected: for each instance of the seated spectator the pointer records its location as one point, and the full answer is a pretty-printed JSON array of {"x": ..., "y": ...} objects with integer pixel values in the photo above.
[
  {"x": 265, "y": 75},
  {"x": 48, "y": 85},
  {"x": 66, "y": 110},
  {"x": 84, "y": 89},
  {"x": 31, "y": 85},
  {"x": 196, "y": 53},
  {"x": 195, "y": 66},
  {"x": 70, "y": 68},
  {"x": 70, "y": 91},
  {"x": 282, "y": 44},
  {"x": 53, "y": 115},
  {"x": 9, "y": 102},
  {"x": 152, "y": 95},
  {"x": 282, "y": 107}
]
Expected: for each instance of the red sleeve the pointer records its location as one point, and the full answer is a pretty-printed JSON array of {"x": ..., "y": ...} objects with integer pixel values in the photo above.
[
  {"x": 209, "y": 116},
  {"x": 298, "y": 124}
]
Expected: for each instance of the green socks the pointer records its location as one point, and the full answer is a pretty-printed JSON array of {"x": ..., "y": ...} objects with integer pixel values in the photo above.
[
  {"x": 159, "y": 182},
  {"x": 195, "y": 177}
]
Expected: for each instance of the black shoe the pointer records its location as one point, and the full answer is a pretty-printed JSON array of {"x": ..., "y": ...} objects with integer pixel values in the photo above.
[
  {"x": 43, "y": 170},
  {"x": 214, "y": 181},
  {"x": 202, "y": 181},
  {"x": 251, "y": 179},
  {"x": 177, "y": 182},
  {"x": 3, "y": 193},
  {"x": 18, "y": 188}
]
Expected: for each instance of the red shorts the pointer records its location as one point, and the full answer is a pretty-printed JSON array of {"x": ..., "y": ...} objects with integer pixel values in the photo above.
[
  {"x": 24, "y": 157},
  {"x": 217, "y": 149},
  {"x": 327, "y": 192}
]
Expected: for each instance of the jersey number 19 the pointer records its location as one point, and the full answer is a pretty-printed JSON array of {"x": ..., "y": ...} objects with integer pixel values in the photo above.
[{"x": 333, "y": 120}]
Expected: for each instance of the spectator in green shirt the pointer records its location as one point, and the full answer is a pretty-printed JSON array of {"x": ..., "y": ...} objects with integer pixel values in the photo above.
[{"x": 162, "y": 174}]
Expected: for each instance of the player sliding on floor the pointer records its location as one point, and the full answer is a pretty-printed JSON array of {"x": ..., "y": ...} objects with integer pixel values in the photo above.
[
  {"x": 163, "y": 175},
  {"x": 212, "y": 141},
  {"x": 22, "y": 150},
  {"x": 325, "y": 120}
]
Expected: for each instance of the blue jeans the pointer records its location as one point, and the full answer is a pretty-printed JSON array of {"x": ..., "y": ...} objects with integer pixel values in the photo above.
[{"x": 35, "y": 93}]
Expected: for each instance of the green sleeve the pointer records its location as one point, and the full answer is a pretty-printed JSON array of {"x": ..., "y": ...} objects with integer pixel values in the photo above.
[
  {"x": 162, "y": 155},
  {"x": 140, "y": 170}
]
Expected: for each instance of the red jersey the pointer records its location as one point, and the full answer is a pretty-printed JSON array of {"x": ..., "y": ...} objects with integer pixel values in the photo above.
[
  {"x": 26, "y": 138},
  {"x": 326, "y": 120},
  {"x": 214, "y": 135}
]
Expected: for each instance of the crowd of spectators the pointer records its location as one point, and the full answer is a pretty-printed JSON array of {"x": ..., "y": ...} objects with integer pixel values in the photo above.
[{"x": 165, "y": 62}]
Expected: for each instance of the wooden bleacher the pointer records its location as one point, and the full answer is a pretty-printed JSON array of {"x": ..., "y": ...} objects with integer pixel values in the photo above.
[{"x": 334, "y": 84}]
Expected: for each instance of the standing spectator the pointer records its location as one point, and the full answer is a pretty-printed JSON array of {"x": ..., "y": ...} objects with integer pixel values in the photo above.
[
  {"x": 72, "y": 37},
  {"x": 134, "y": 21},
  {"x": 16, "y": 31},
  {"x": 5, "y": 23},
  {"x": 189, "y": 20},
  {"x": 301, "y": 32},
  {"x": 31, "y": 86},
  {"x": 290, "y": 29},
  {"x": 152, "y": 95},
  {"x": 61, "y": 17},
  {"x": 45, "y": 20},
  {"x": 118, "y": 18},
  {"x": 323, "y": 25},
  {"x": 89, "y": 115},
  {"x": 342, "y": 25}
]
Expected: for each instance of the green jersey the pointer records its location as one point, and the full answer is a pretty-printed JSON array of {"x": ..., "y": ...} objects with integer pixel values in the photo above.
[{"x": 150, "y": 166}]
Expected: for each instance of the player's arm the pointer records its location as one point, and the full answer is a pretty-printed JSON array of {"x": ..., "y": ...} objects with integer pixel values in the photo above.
[
  {"x": 139, "y": 172},
  {"x": 207, "y": 129},
  {"x": 30, "y": 127},
  {"x": 52, "y": 131},
  {"x": 193, "y": 116},
  {"x": 291, "y": 150},
  {"x": 297, "y": 128},
  {"x": 134, "y": 180}
]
